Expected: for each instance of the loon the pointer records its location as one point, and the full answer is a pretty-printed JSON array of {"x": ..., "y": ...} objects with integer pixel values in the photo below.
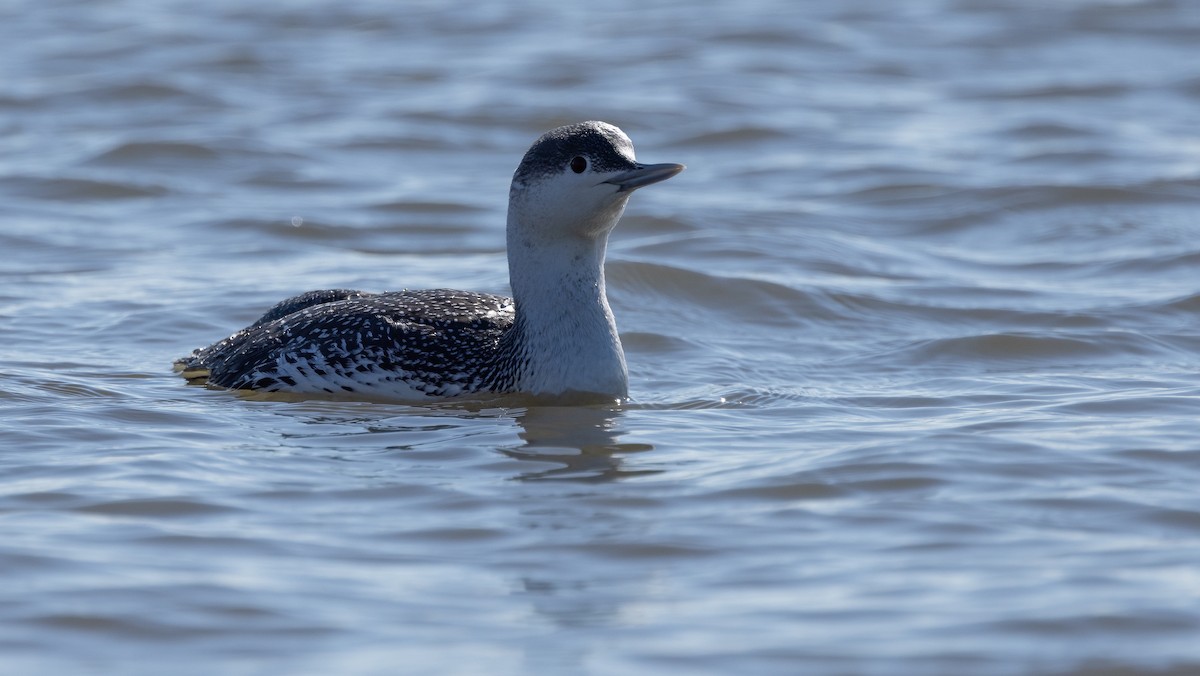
[{"x": 555, "y": 337}]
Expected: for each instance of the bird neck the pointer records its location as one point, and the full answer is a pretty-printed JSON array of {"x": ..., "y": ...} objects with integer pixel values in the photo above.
[{"x": 567, "y": 337}]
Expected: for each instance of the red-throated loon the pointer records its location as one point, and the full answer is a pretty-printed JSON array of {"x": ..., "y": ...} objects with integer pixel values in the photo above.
[{"x": 556, "y": 336}]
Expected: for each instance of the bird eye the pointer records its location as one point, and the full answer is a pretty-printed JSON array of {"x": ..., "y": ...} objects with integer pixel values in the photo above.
[{"x": 578, "y": 164}]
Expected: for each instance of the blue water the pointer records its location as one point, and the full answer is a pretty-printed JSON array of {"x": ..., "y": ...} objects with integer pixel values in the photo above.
[{"x": 913, "y": 341}]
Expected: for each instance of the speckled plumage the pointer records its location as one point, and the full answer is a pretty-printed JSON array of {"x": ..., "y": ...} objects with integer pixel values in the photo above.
[
  {"x": 556, "y": 336},
  {"x": 436, "y": 343}
]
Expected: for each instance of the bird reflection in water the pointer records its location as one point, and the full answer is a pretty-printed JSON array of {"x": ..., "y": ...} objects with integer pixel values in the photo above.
[{"x": 582, "y": 440}]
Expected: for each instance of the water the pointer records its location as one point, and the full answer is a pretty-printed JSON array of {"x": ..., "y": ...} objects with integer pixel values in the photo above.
[{"x": 912, "y": 342}]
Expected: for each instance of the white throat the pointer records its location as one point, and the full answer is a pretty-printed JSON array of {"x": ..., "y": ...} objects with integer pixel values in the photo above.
[{"x": 570, "y": 341}]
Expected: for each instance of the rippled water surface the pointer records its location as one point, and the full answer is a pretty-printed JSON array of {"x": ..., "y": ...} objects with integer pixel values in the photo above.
[{"x": 913, "y": 342}]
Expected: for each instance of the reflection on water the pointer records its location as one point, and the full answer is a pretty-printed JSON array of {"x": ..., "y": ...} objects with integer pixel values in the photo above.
[
  {"x": 579, "y": 445},
  {"x": 583, "y": 440}
]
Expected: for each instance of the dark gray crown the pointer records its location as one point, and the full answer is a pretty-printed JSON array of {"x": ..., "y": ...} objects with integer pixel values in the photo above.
[{"x": 605, "y": 147}]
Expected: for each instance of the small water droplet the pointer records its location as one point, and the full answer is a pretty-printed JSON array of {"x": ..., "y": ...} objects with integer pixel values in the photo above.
[{"x": 297, "y": 221}]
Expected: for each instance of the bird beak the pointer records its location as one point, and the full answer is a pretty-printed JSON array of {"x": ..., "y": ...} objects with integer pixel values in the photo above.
[{"x": 644, "y": 174}]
